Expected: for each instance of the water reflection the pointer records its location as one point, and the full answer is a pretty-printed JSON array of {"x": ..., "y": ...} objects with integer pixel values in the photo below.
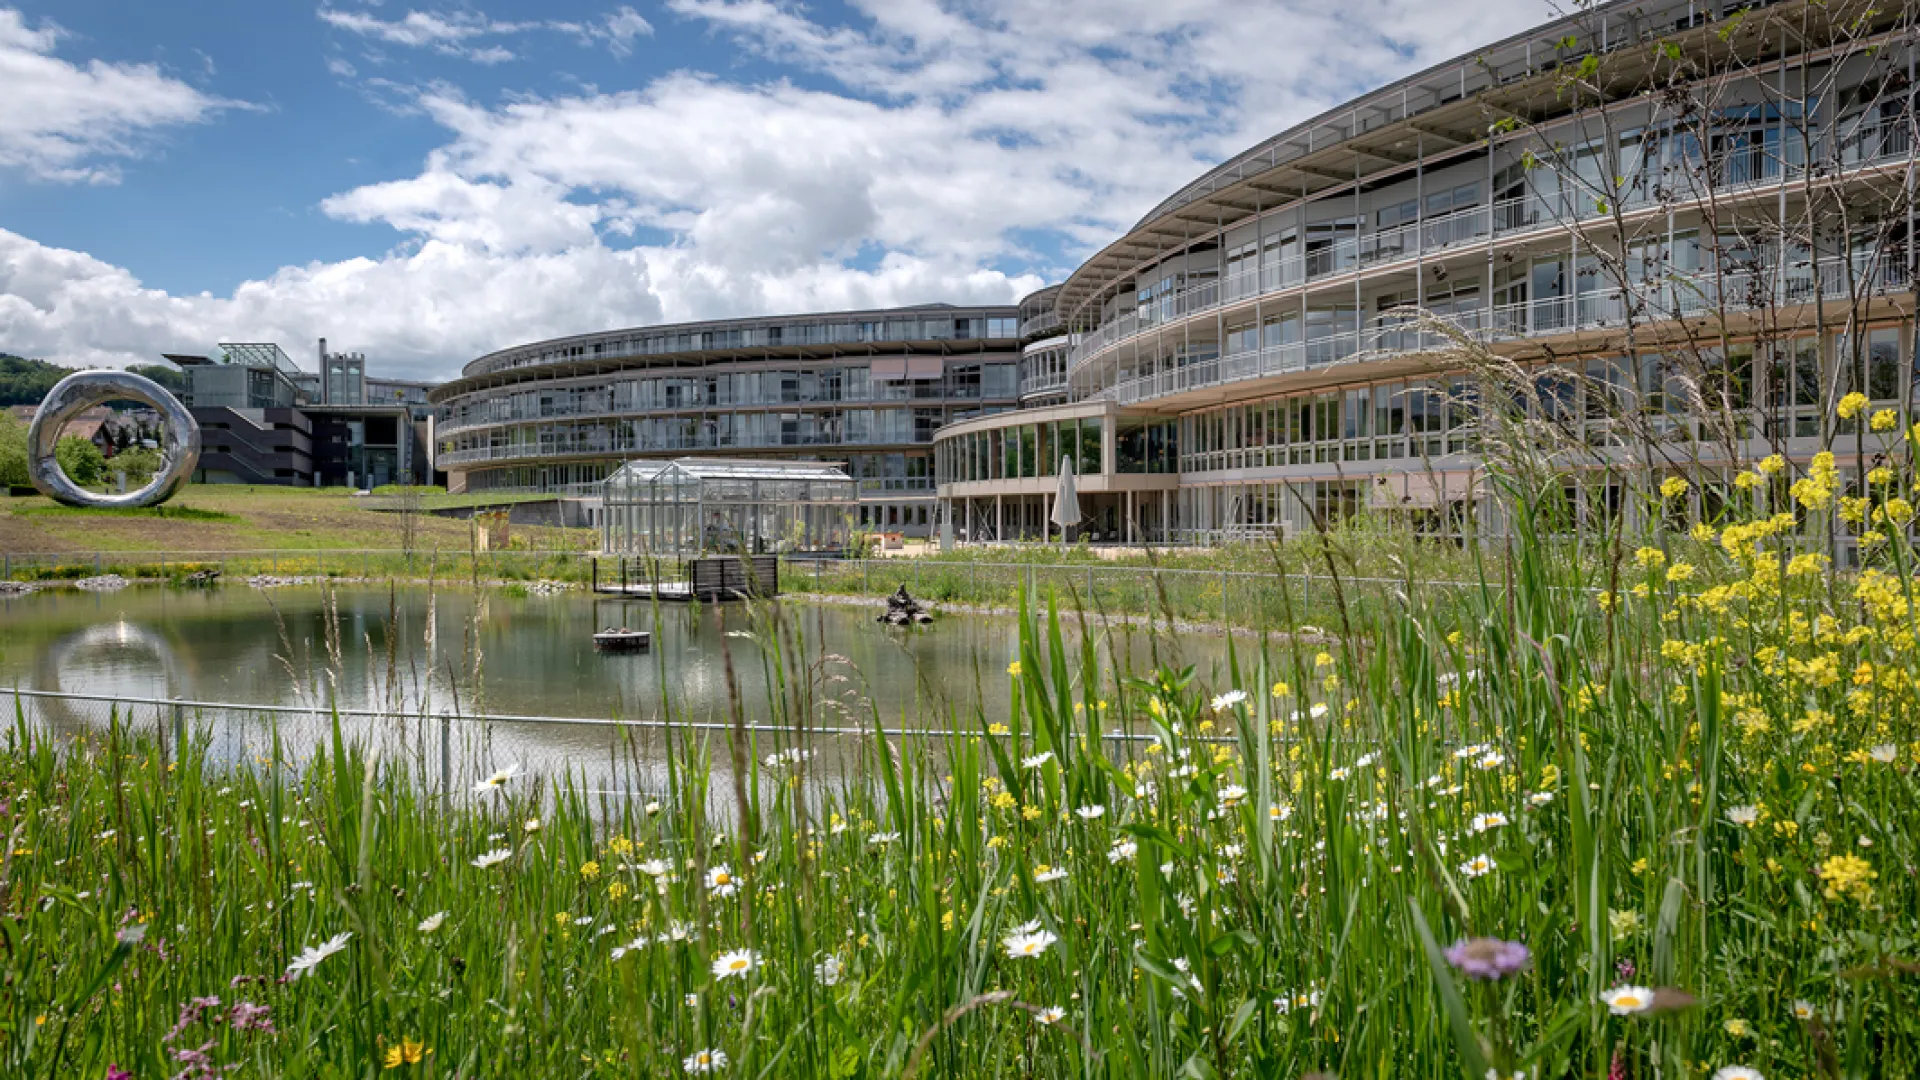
[{"x": 419, "y": 651}]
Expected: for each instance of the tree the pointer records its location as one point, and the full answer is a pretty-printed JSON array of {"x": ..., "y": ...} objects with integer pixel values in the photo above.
[
  {"x": 13, "y": 453},
  {"x": 80, "y": 460},
  {"x": 139, "y": 464},
  {"x": 26, "y": 382},
  {"x": 172, "y": 380}
]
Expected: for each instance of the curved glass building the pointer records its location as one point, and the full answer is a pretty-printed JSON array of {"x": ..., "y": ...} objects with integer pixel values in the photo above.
[
  {"x": 1660, "y": 237},
  {"x": 1646, "y": 239},
  {"x": 867, "y": 389}
]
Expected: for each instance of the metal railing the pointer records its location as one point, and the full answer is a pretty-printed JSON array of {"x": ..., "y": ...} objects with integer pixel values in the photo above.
[
  {"x": 1680, "y": 296},
  {"x": 450, "y": 752},
  {"x": 1865, "y": 146}
]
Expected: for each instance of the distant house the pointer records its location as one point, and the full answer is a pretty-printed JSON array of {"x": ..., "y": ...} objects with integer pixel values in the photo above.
[{"x": 91, "y": 425}]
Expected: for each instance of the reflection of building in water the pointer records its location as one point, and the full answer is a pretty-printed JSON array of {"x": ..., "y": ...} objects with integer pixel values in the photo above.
[{"x": 119, "y": 658}]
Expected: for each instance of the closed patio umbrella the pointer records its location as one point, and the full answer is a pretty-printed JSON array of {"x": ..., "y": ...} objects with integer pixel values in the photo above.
[{"x": 1066, "y": 501}]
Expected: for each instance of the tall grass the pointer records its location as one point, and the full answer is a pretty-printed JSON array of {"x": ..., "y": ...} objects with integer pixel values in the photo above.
[{"x": 1692, "y": 794}]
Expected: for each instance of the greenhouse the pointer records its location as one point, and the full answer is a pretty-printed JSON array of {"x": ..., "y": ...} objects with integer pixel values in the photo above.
[{"x": 707, "y": 506}]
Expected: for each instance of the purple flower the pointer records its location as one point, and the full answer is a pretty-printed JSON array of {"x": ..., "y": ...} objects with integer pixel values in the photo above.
[
  {"x": 115, "y": 1072},
  {"x": 1488, "y": 958},
  {"x": 247, "y": 1016}
]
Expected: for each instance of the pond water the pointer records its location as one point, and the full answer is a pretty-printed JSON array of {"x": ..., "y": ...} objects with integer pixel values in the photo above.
[
  {"x": 459, "y": 651},
  {"x": 534, "y": 653}
]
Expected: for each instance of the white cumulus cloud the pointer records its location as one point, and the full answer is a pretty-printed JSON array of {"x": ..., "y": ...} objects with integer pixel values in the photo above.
[
  {"x": 67, "y": 122},
  {"x": 920, "y": 150}
]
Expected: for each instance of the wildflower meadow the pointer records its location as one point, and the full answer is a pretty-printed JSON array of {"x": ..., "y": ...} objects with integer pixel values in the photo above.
[{"x": 1646, "y": 812}]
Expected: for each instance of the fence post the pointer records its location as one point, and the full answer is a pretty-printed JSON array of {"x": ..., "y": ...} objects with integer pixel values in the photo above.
[
  {"x": 1225, "y": 619},
  {"x": 866, "y": 569},
  {"x": 179, "y": 728},
  {"x": 446, "y": 757},
  {"x": 96, "y": 564},
  {"x": 7, "y": 557}
]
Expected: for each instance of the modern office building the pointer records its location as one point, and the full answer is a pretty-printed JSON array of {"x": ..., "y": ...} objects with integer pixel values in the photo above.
[
  {"x": 866, "y": 389},
  {"x": 1654, "y": 238},
  {"x": 265, "y": 421},
  {"x": 1646, "y": 239}
]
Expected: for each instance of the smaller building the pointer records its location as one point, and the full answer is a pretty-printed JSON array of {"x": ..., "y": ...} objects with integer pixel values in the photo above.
[
  {"x": 704, "y": 506},
  {"x": 265, "y": 421}
]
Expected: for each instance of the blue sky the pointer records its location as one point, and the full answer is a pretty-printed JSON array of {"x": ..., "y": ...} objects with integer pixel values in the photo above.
[{"x": 427, "y": 182}]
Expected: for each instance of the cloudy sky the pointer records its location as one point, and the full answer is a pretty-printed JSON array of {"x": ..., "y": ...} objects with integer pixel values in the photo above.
[{"x": 426, "y": 184}]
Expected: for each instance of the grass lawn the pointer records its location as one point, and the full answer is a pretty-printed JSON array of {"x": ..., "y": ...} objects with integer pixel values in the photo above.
[{"x": 223, "y": 517}]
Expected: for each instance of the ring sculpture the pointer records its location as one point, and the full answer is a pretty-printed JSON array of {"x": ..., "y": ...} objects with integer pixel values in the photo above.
[{"x": 81, "y": 391}]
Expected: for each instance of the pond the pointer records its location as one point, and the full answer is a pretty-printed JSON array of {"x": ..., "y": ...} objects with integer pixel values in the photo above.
[{"x": 457, "y": 651}]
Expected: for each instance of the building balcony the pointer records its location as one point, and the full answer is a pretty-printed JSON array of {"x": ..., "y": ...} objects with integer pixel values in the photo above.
[
  {"x": 1589, "y": 312},
  {"x": 1749, "y": 175}
]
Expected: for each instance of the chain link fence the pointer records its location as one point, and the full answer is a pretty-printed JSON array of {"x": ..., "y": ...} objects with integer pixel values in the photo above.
[{"x": 451, "y": 753}]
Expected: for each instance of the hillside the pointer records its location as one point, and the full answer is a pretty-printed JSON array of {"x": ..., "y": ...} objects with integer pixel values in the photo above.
[{"x": 25, "y": 382}]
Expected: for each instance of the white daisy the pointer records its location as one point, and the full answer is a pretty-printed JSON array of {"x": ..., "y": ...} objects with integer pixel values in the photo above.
[
  {"x": 1049, "y": 875},
  {"x": 1053, "y": 1014},
  {"x": 1803, "y": 1010},
  {"x": 1743, "y": 815},
  {"x": 656, "y": 867},
  {"x": 1483, "y": 822},
  {"x": 1124, "y": 851},
  {"x": 1540, "y": 798},
  {"x": 705, "y": 1061},
  {"x": 1090, "y": 813},
  {"x": 432, "y": 922},
  {"x": 721, "y": 882},
  {"x": 1033, "y": 943},
  {"x": 1228, "y": 700},
  {"x": 1884, "y": 753},
  {"x": 311, "y": 957},
  {"x": 737, "y": 962},
  {"x": 497, "y": 781},
  {"x": 1280, "y": 813},
  {"x": 1737, "y": 1072},
  {"x": 1478, "y": 866},
  {"x": 1626, "y": 1000},
  {"x": 1232, "y": 794},
  {"x": 493, "y": 858},
  {"x": 828, "y": 971},
  {"x": 1037, "y": 760}
]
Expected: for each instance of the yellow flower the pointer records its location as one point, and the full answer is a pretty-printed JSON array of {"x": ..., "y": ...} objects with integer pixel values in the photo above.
[
  {"x": 997, "y": 729},
  {"x": 1884, "y": 420},
  {"x": 1030, "y": 812},
  {"x": 1772, "y": 464},
  {"x": 1673, "y": 487},
  {"x": 616, "y": 890},
  {"x": 1014, "y": 669},
  {"x": 408, "y": 1051},
  {"x": 1651, "y": 558},
  {"x": 1281, "y": 689},
  {"x": 590, "y": 870},
  {"x": 1680, "y": 571},
  {"x": 1851, "y": 405},
  {"x": 1738, "y": 1028},
  {"x": 1848, "y": 877}
]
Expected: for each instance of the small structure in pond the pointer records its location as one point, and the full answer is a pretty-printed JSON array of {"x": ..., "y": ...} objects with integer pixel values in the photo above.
[
  {"x": 904, "y": 610},
  {"x": 713, "y": 528},
  {"x": 621, "y": 639}
]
